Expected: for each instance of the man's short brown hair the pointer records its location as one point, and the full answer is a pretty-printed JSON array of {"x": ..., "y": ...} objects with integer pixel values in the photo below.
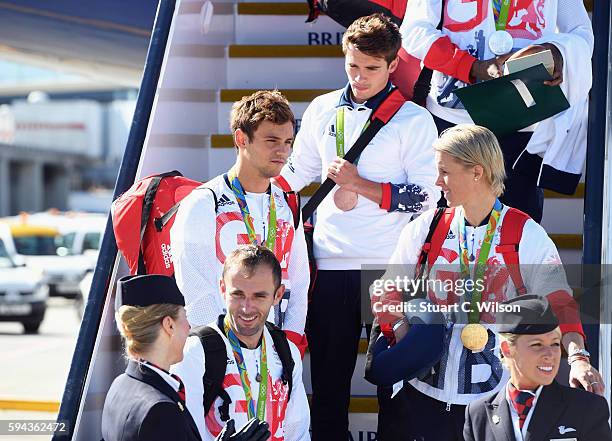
[
  {"x": 264, "y": 105},
  {"x": 250, "y": 257},
  {"x": 375, "y": 35}
]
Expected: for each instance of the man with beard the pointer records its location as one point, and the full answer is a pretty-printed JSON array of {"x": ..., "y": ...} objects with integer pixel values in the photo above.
[{"x": 262, "y": 371}]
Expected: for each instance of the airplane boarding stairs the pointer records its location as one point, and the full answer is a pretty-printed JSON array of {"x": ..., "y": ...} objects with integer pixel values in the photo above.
[{"x": 251, "y": 46}]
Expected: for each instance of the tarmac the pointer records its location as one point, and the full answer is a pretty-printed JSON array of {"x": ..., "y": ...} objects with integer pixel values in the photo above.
[{"x": 34, "y": 368}]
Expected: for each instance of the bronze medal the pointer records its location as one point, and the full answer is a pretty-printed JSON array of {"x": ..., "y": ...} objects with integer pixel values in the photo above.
[
  {"x": 474, "y": 337},
  {"x": 345, "y": 200}
]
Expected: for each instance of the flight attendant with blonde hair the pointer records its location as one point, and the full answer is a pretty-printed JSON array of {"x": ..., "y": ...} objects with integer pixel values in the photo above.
[{"x": 533, "y": 406}]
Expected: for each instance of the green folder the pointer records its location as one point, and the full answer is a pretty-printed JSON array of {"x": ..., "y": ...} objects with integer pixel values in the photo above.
[{"x": 499, "y": 105}]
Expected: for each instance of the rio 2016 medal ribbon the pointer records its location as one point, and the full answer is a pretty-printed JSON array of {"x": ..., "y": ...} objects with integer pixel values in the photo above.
[
  {"x": 475, "y": 336},
  {"x": 500, "y": 41},
  {"x": 345, "y": 200}
]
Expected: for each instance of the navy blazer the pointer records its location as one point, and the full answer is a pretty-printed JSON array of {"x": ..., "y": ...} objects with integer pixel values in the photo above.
[
  {"x": 142, "y": 406},
  {"x": 561, "y": 412}
]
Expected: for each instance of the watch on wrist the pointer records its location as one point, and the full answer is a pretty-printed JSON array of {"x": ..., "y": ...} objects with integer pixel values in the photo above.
[
  {"x": 398, "y": 323},
  {"x": 580, "y": 354}
]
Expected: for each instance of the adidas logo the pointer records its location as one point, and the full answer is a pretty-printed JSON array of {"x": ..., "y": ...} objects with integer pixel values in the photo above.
[
  {"x": 229, "y": 360},
  {"x": 450, "y": 235},
  {"x": 332, "y": 131},
  {"x": 224, "y": 200}
]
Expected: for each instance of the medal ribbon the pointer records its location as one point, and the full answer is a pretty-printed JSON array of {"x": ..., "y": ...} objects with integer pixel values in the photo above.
[
  {"x": 481, "y": 261},
  {"x": 244, "y": 375},
  {"x": 340, "y": 132},
  {"x": 246, "y": 215},
  {"x": 500, "y": 12}
]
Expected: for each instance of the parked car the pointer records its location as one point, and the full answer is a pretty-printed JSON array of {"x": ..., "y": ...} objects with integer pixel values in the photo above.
[
  {"x": 37, "y": 246},
  {"x": 23, "y": 293}
]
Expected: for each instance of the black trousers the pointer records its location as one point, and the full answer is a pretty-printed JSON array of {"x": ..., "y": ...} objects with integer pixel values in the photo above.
[
  {"x": 521, "y": 190},
  {"x": 333, "y": 327},
  {"x": 413, "y": 416}
]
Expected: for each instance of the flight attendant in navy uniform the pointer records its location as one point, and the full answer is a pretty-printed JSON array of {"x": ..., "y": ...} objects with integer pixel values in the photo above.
[
  {"x": 146, "y": 402},
  {"x": 533, "y": 406}
]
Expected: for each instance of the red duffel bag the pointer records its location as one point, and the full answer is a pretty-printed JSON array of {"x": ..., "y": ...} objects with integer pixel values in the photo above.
[{"x": 142, "y": 218}]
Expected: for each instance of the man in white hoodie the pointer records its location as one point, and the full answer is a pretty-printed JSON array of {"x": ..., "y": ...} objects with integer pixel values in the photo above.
[{"x": 358, "y": 223}]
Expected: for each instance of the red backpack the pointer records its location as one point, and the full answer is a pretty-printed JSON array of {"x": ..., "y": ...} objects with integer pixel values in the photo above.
[
  {"x": 144, "y": 214},
  {"x": 142, "y": 218}
]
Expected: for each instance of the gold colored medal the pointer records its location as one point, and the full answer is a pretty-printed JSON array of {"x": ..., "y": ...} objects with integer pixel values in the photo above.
[{"x": 474, "y": 337}]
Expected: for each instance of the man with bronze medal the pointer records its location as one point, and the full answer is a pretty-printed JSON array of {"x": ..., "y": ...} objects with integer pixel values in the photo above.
[
  {"x": 465, "y": 44},
  {"x": 503, "y": 254},
  {"x": 371, "y": 201}
]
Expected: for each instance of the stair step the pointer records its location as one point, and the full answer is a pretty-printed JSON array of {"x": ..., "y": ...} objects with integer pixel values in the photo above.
[
  {"x": 284, "y": 51},
  {"x": 299, "y": 99},
  {"x": 360, "y": 404},
  {"x": 578, "y": 194},
  {"x": 285, "y": 67},
  {"x": 363, "y": 405},
  {"x": 288, "y": 20},
  {"x": 567, "y": 241},
  {"x": 293, "y": 95},
  {"x": 221, "y": 141},
  {"x": 261, "y": 8}
]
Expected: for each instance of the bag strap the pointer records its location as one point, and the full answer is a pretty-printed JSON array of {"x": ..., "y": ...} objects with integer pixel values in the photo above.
[
  {"x": 427, "y": 244},
  {"x": 160, "y": 222},
  {"x": 511, "y": 233},
  {"x": 436, "y": 237},
  {"x": 147, "y": 204},
  {"x": 281, "y": 344},
  {"x": 292, "y": 198},
  {"x": 215, "y": 362},
  {"x": 380, "y": 116}
]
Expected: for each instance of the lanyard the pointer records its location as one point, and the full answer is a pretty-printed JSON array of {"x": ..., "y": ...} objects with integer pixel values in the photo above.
[
  {"x": 340, "y": 132},
  {"x": 481, "y": 261},
  {"x": 244, "y": 375},
  {"x": 500, "y": 11},
  {"x": 246, "y": 215}
]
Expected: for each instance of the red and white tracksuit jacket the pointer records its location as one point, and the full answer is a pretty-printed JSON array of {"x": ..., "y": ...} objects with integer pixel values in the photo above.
[
  {"x": 201, "y": 238},
  {"x": 463, "y": 376}
]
